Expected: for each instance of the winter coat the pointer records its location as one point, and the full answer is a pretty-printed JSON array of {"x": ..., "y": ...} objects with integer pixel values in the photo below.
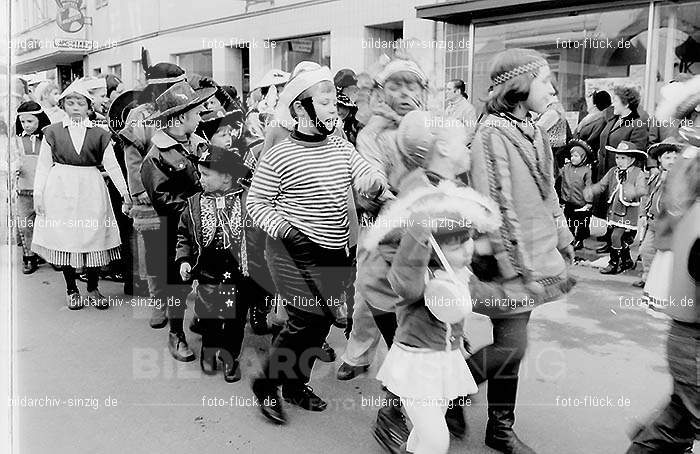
[
  {"x": 590, "y": 128},
  {"x": 632, "y": 128},
  {"x": 512, "y": 163},
  {"x": 169, "y": 174}
]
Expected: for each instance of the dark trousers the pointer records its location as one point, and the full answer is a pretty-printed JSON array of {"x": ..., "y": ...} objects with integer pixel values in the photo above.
[
  {"x": 386, "y": 323},
  {"x": 127, "y": 263},
  {"x": 578, "y": 221},
  {"x": 223, "y": 316},
  {"x": 499, "y": 363},
  {"x": 307, "y": 278},
  {"x": 166, "y": 285},
  {"x": 678, "y": 424}
]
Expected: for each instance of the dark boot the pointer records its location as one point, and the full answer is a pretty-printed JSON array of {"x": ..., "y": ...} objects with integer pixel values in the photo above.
[
  {"x": 30, "y": 264},
  {"x": 626, "y": 262},
  {"x": 614, "y": 263},
  {"x": 391, "y": 431},
  {"x": 177, "y": 344},
  {"x": 499, "y": 432},
  {"x": 328, "y": 354},
  {"x": 208, "y": 359},
  {"x": 258, "y": 320},
  {"x": 454, "y": 417},
  {"x": 158, "y": 318},
  {"x": 269, "y": 401}
]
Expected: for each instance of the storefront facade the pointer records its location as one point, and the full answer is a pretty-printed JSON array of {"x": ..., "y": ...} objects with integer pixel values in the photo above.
[
  {"x": 590, "y": 45},
  {"x": 236, "y": 42}
]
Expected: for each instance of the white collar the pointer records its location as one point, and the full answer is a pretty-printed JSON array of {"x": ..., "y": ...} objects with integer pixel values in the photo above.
[{"x": 86, "y": 123}]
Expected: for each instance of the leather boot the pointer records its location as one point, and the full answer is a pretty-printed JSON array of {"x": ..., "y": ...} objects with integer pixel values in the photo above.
[
  {"x": 626, "y": 262},
  {"x": 499, "y": 432},
  {"x": 30, "y": 264},
  {"x": 177, "y": 344},
  {"x": 614, "y": 263},
  {"x": 454, "y": 417}
]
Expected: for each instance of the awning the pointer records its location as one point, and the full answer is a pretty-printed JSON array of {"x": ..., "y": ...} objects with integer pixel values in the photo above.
[
  {"x": 466, "y": 11},
  {"x": 49, "y": 61}
]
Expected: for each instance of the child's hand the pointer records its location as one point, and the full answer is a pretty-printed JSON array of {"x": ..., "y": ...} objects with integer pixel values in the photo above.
[
  {"x": 185, "y": 269},
  {"x": 587, "y": 207}
]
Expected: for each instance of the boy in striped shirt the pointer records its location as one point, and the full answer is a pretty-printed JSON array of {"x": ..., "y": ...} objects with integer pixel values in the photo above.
[{"x": 299, "y": 197}]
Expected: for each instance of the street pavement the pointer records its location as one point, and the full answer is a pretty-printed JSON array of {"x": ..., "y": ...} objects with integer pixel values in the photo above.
[{"x": 595, "y": 364}]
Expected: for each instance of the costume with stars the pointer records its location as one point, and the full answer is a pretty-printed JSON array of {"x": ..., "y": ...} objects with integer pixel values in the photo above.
[{"x": 211, "y": 238}]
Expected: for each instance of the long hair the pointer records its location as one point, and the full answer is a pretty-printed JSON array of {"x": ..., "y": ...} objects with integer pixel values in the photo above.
[{"x": 506, "y": 96}]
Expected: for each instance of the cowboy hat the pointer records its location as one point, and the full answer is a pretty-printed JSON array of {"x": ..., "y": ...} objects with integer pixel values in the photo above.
[
  {"x": 273, "y": 77},
  {"x": 120, "y": 108},
  {"x": 177, "y": 99},
  {"x": 222, "y": 160},
  {"x": 573, "y": 143},
  {"x": 628, "y": 149},
  {"x": 669, "y": 144},
  {"x": 212, "y": 122}
]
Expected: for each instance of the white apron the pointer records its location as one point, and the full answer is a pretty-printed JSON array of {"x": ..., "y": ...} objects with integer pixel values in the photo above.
[{"x": 78, "y": 227}]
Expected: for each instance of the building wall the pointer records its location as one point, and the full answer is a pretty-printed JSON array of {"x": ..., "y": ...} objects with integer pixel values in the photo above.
[{"x": 127, "y": 25}]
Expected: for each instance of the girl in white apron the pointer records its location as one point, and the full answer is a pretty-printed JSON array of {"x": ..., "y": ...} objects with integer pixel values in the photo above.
[{"x": 75, "y": 225}]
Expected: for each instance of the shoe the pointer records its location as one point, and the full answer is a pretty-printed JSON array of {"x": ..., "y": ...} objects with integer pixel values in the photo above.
[
  {"x": 604, "y": 249},
  {"x": 639, "y": 284},
  {"x": 177, "y": 344},
  {"x": 303, "y": 396},
  {"x": 97, "y": 300},
  {"x": 75, "y": 302},
  {"x": 614, "y": 263},
  {"x": 626, "y": 262},
  {"x": 115, "y": 276},
  {"x": 578, "y": 245},
  {"x": 232, "y": 371},
  {"x": 454, "y": 417},
  {"x": 500, "y": 435},
  {"x": 390, "y": 430},
  {"x": 208, "y": 360},
  {"x": 348, "y": 372},
  {"x": 30, "y": 264},
  {"x": 269, "y": 401},
  {"x": 158, "y": 318},
  {"x": 196, "y": 325},
  {"x": 39, "y": 260},
  {"x": 328, "y": 354}
]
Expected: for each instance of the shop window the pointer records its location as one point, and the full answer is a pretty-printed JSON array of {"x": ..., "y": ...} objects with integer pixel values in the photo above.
[
  {"x": 675, "y": 43},
  {"x": 116, "y": 70},
  {"x": 196, "y": 63},
  {"x": 587, "y": 52},
  {"x": 290, "y": 52}
]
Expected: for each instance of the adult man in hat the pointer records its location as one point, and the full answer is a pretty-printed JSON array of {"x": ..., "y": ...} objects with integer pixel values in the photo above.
[
  {"x": 136, "y": 135},
  {"x": 299, "y": 197},
  {"x": 169, "y": 177}
]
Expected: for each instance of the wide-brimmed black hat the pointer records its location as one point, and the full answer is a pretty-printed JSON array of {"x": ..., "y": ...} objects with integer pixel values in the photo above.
[
  {"x": 31, "y": 108},
  {"x": 345, "y": 78},
  {"x": 212, "y": 122},
  {"x": 177, "y": 99},
  {"x": 670, "y": 144},
  {"x": 590, "y": 156},
  {"x": 222, "y": 160},
  {"x": 159, "y": 77},
  {"x": 120, "y": 108}
]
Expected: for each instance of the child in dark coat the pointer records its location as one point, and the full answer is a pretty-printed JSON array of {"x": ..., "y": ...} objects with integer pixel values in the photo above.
[
  {"x": 211, "y": 247},
  {"x": 575, "y": 176}
]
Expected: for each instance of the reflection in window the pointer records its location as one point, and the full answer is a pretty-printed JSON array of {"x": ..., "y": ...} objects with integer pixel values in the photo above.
[
  {"x": 288, "y": 53},
  {"x": 196, "y": 63},
  {"x": 587, "y": 52}
]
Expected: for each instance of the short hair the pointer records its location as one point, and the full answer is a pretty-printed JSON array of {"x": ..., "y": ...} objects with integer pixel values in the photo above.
[
  {"x": 112, "y": 82},
  {"x": 601, "y": 99},
  {"x": 459, "y": 85},
  {"x": 62, "y": 101},
  {"x": 506, "y": 96},
  {"x": 629, "y": 96},
  {"x": 45, "y": 87}
]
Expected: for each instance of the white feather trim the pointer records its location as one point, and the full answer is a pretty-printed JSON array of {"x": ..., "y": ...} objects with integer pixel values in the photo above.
[
  {"x": 678, "y": 98},
  {"x": 479, "y": 211}
]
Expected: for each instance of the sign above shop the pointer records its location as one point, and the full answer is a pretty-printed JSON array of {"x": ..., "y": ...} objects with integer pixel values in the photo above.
[
  {"x": 302, "y": 45},
  {"x": 70, "y": 43},
  {"x": 70, "y": 18}
]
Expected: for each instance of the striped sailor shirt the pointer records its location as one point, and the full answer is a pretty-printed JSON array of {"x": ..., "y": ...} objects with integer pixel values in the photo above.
[{"x": 305, "y": 183}]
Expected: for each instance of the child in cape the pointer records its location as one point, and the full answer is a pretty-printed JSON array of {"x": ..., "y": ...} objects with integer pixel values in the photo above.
[
  {"x": 211, "y": 247},
  {"x": 31, "y": 120},
  {"x": 431, "y": 276},
  {"x": 75, "y": 225},
  {"x": 575, "y": 177},
  {"x": 623, "y": 186}
]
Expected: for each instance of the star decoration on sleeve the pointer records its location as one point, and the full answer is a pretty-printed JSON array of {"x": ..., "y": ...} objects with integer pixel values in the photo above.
[
  {"x": 227, "y": 275},
  {"x": 229, "y": 302}
]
